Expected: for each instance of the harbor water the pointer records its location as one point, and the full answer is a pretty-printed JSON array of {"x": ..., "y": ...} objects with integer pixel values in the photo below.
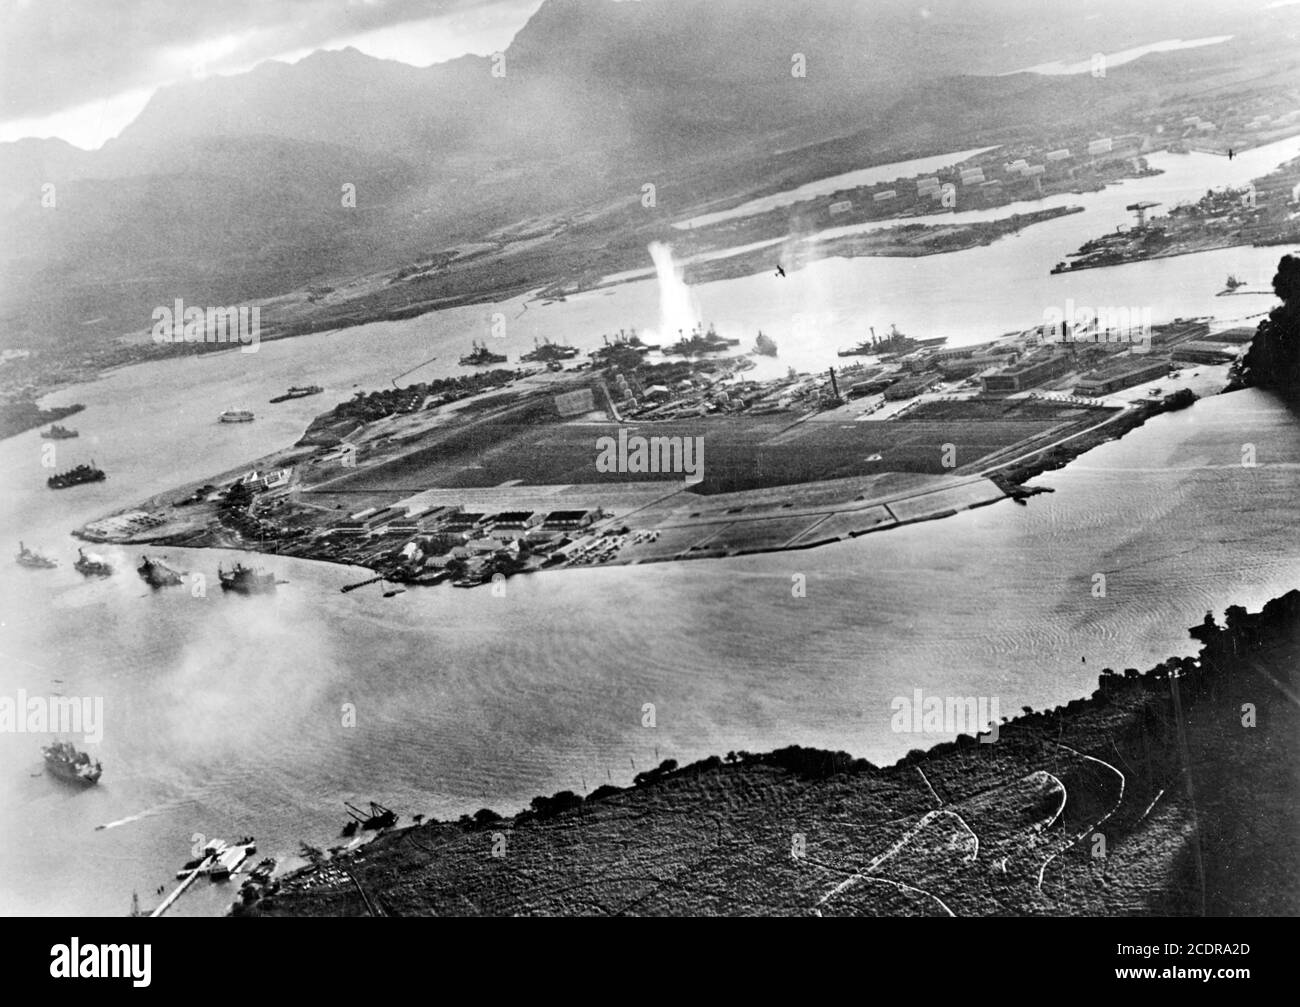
[{"x": 227, "y": 715}]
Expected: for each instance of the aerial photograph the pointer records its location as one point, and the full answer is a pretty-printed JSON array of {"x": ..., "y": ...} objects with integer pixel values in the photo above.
[{"x": 650, "y": 458}]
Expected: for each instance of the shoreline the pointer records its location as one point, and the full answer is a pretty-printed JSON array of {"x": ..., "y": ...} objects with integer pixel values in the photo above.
[
  {"x": 1003, "y": 823},
  {"x": 1177, "y": 254}
]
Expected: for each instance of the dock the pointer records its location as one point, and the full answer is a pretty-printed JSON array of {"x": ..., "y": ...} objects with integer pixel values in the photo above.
[
  {"x": 229, "y": 856},
  {"x": 166, "y": 903}
]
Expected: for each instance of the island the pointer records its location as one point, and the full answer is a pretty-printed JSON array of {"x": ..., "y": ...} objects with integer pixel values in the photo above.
[{"x": 639, "y": 454}]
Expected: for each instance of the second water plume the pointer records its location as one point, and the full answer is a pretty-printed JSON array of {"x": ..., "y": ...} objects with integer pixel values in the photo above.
[{"x": 678, "y": 312}]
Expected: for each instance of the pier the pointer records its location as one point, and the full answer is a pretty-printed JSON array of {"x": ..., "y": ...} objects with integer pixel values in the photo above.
[
  {"x": 242, "y": 852},
  {"x": 166, "y": 903}
]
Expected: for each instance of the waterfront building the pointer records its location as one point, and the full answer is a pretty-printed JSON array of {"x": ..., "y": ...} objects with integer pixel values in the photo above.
[
  {"x": 910, "y": 387},
  {"x": 1239, "y": 336},
  {"x": 1199, "y": 351},
  {"x": 1120, "y": 374},
  {"x": 465, "y": 521},
  {"x": 429, "y": 520},
  {"x": 514, "y": 524},
  {"x": 569, "y": 520},
  {"x": 269, "y": 480},
  {"x": 1028, "y": 373}
]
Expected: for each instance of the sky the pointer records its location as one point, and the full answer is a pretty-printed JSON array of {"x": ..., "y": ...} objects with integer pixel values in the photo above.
[{"x": 81, "y": 70}]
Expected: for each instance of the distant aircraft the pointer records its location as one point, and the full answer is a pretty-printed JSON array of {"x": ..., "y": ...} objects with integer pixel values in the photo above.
[{"x": 779, "y": 270}]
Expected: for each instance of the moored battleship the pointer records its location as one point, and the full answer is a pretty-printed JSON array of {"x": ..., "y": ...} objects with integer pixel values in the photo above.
[
  {"x": 76, "y": 476},
  {"x": 246, "y": 580},
  {"x": 701, "y": 342},
  {"x": 92, "y": 565},
  {"x": 156, "y": 573},
  {"x": 481, "y": 357},
  {"x": 863, "y": 349},
  {"x": 621, "y": 346},
  {"x": 58, "y": 433},
  {"x": 894, "y": 344},
  {"x": 34, "y": 560},
  {"x": 64, "y": 761},
  {"x": 547, "y": 352}
]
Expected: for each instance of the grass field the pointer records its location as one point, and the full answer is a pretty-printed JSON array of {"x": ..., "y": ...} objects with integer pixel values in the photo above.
[{"x": 740, "y": 452}]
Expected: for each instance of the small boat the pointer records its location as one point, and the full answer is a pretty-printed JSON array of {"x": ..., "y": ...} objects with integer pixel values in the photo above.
[
  {"x": 34, "y": 560},
  {"x": 58, "y": 433},
  {"x": 190, "y": 865},
  {"x": 204, "y": 861},
  {"x": 236, "y": 416},
  {"x": 92, "y": 565},
  {"x": 264, "y": 869}
]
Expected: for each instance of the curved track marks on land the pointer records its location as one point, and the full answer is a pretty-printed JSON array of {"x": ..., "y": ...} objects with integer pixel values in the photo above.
[
  {"x": 1115, "y": 807},
  {"x": 866, "y": 875}
]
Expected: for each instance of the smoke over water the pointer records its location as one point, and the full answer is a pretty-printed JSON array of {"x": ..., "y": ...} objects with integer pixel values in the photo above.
[{"x": 678, "y": 312}]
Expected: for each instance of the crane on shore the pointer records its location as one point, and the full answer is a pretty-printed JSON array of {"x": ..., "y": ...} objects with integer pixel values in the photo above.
[{"x": 1141, "y": 210}]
